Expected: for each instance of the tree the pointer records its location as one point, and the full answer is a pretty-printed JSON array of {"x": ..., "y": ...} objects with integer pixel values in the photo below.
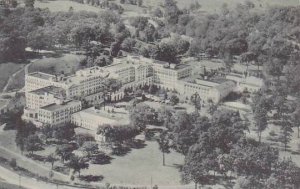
[
  {"x": 64, "y": 151},
  {"x": 110, "y": 85},
  {"x": 149, "y": 33},
  {"x": 12, "y": 47},
  {"x": 296, "y": 120},
  {"x": 24, "y": 130},
  {"x": 32, "y": 143},
  {"x": 174, "y": 99},
  {"x": 286, "y": 130},
  {"x": 29, "y": 3},
  {"x": 247, "y": 58},
  {"x": 82, "y": 138},
  {"x": 157, "y": 12},
  {"x": 171, "y": 12},
  {"x": 76, "y": 163},
  {"x": 236, "y": 46},
  {"x": 140, "y": 3},
  {"x": 128, "y": 44},
  {"x": 14, "y": 3},
  {"x": 284, "y": 117},
  {"x": 141, "y": 115},
  {"x": 287, "y": 174},
  {"x": 154, "y": 51},
  {"x": 51, "y": 159},
  {"x": 64, "y": 132},
  {"x": 196, "y": 101},
  {"x": 254, "y": 159},
  {"x": 274, "y": 68},
  {"x": 114, "y": 49},
  {"x": 164, "y": 145},
  {"x": 261, "y": 122},
  {"x": 13, "y": 163},
  {"x": 90, "y": 148},
  {"x": 193, "y": 169},
  {"x": 247, "y": 183},
  {"x": 117, "y": 134},
  {"x": 47, "y": 131},
  {"x": 167, "y": 52}
]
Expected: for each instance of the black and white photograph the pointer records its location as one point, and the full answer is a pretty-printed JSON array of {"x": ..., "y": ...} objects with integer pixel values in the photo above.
[{"x": 149, "y": 94}]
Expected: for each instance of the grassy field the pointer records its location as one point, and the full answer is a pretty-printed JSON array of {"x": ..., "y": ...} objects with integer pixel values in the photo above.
[
  {"x": 6, "y": 70},
  {"x": 139, "y": 166},
  {"x": 64, "y": 5}
]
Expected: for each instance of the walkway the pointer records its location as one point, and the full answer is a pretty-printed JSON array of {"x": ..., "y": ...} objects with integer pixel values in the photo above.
[{"x": 13, "y": 75}]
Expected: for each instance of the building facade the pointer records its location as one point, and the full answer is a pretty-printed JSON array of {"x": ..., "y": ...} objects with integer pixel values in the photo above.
[
  {"x": 92, "y": 117},
  {"x": 58, "y": 113}
]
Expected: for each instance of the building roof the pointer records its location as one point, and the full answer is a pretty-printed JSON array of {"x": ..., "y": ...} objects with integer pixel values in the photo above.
[
  {"x": 122, "y": 118},
  {"x": 54, "y": 106},
  {"x": 253, "y": 81},
  {"x": 74, "y": 78},
  {"x": 212, "y": 64},
  {"x": 56, "y": 91},
  {"x": 225, "y": 85},
  {"x": 42, "y": 75},
  {"x": 206, "y": 83}
]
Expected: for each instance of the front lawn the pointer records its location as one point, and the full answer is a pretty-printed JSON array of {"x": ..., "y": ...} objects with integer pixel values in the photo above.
[{"x": 139, "y": 166}]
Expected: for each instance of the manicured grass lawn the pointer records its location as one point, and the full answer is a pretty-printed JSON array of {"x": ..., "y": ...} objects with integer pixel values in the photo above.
[
  {"x": 64, "y": 5},
  {"x": 6, "y": 70},
  {"x": 139, "y": 166},
  {"x": 68, "y": 63}
]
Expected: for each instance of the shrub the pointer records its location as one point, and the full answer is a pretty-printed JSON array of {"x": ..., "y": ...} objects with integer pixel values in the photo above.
[
  {"x": 100, "y": 158},
  {"x": 36, "y": 157},
  {"x": 91, "y": 178},
  {"x": 64, "y": 170}
]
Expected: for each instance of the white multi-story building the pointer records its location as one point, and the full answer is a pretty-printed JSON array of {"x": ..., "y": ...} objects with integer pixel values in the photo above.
[
  {"x": 207, "y": 90},
  {"x": 168, "y": 76},
  {"x": 52, "y": 99},
  {"x": 91, "y": 118},
  {"x": 56, "y": 91},
  {"x": 58, "y": 113},
  {"x": 44, "y": 96},
  {"x": 250, "y": 83},
  {"x": 83, "y": 83},
  {"x": 138, "y": 71}
]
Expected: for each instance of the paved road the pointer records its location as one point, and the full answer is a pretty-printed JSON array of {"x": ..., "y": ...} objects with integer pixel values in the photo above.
[{"x": 30, "y": 183}]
